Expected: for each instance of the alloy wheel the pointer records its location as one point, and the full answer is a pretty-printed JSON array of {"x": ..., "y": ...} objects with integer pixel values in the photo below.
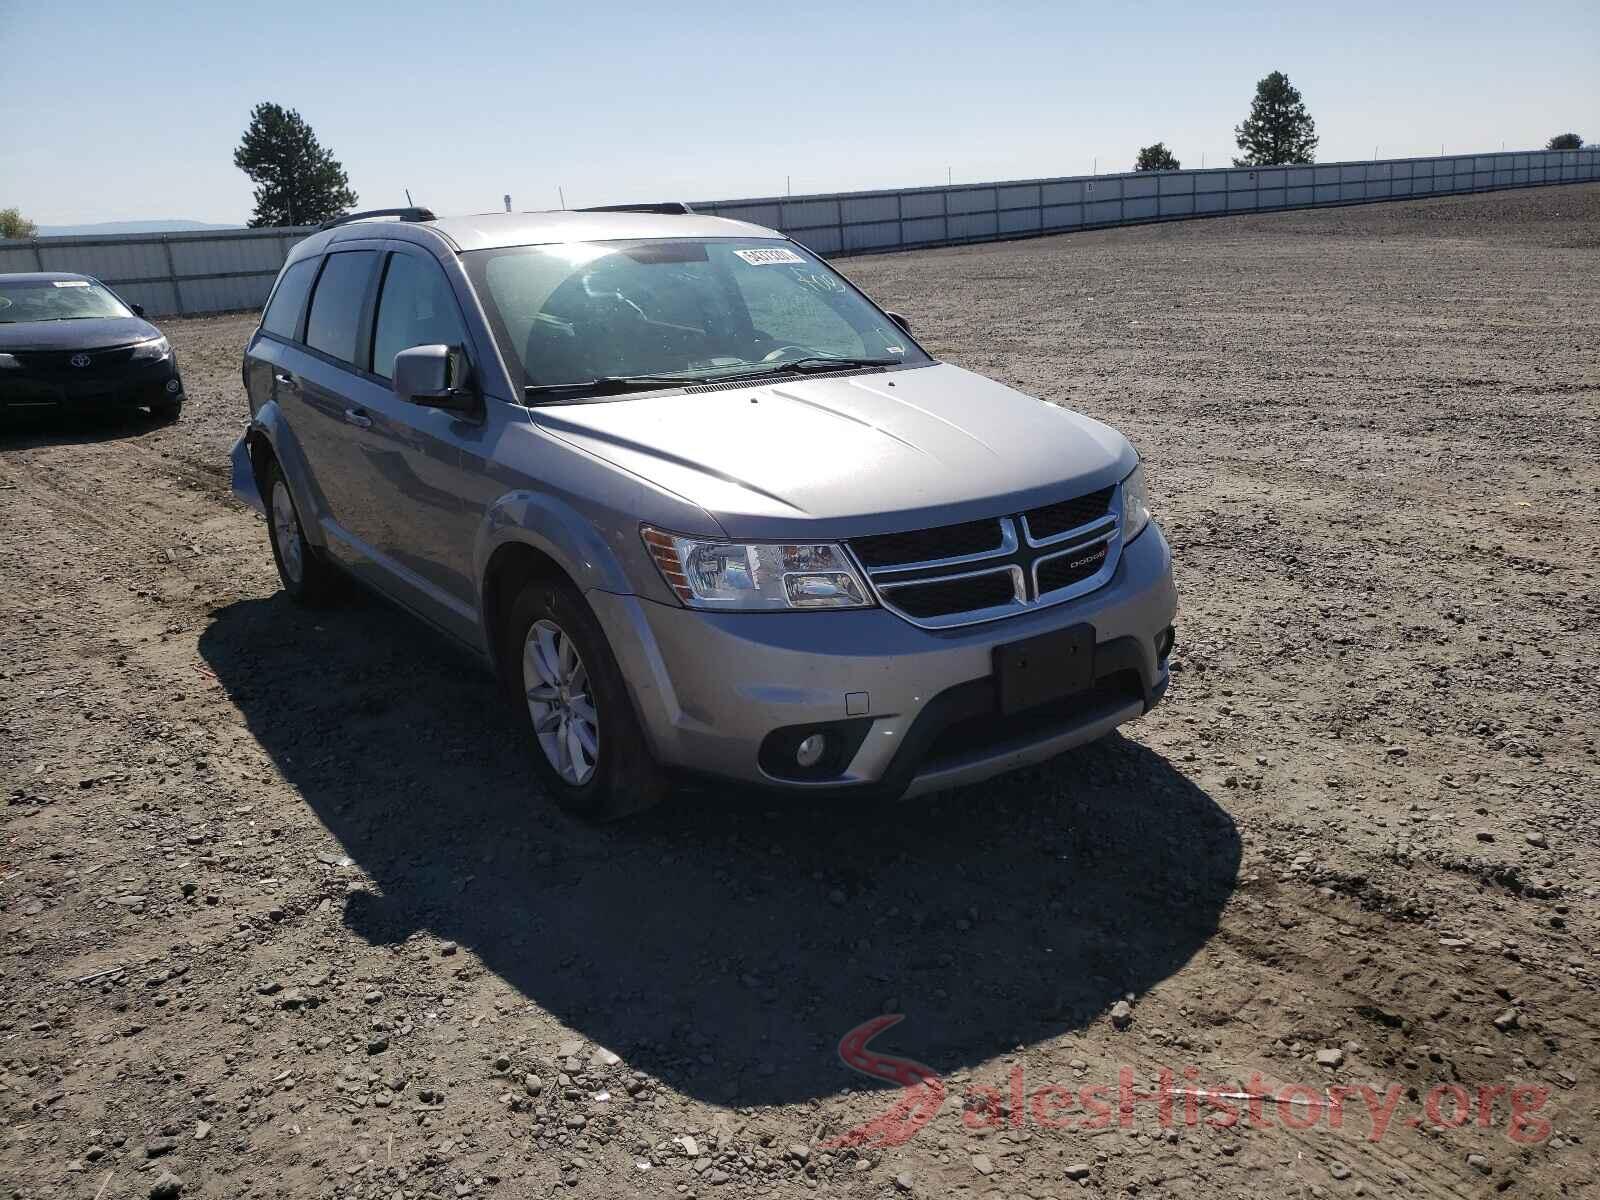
[
  {"x": 287, "y": 528},
  {"x": 561, "y": 702}
]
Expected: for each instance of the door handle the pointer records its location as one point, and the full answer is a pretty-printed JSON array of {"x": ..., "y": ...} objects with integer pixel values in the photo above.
[
  {"x": 280, "y": 377},
  {"x": 358, "y": 418}
]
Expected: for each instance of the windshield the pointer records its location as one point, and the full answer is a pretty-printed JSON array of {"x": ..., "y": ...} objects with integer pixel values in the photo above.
[
  {"x": 687, "y": 310},
  {"x": 56, "y": 300}
]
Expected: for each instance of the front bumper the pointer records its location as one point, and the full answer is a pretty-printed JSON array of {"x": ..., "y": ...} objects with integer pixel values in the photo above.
[
  {"x": 711, "y": 687},
  {"x": 130, "y": 385}
]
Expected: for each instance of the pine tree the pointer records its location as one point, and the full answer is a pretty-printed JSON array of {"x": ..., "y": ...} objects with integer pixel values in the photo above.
[
  {"x": 1157, "y": 158},
  {"x": 1278, "y": 130},
  {"x": 298, "y": 182}
]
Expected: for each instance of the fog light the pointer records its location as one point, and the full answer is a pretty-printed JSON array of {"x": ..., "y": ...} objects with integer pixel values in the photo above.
[
  {"x": 809, "y": 752},
  {"x": 172, "y": 387}
]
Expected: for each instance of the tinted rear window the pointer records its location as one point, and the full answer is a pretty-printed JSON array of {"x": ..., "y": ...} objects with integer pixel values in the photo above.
[
  {"x": 335, "y": 322},
  {"x": 289, "y": 300}
]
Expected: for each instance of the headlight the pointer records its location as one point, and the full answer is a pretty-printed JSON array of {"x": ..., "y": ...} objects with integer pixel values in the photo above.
[
  {"x": 1135, "y": 505},
  {"x": 8, "y": 362},
  {"x": 153, "y": 350},
  {"x": 759, "y": 577}
]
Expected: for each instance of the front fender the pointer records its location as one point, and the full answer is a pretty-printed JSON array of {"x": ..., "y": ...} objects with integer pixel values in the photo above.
[{"x": 557, "y": 529}]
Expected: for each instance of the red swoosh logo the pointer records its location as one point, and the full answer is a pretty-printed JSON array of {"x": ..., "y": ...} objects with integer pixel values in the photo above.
[{"x": 920, "y": 1102}]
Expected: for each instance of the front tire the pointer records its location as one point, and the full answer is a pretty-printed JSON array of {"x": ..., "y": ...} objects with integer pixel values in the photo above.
[
  {"x": 572, "y": 703},
  {"x": 305, "y": 575},
  {"x": 166, "y": 413}
]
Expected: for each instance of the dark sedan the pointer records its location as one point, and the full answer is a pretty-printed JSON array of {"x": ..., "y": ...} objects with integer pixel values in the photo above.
[{"x": 69, "y": 343}]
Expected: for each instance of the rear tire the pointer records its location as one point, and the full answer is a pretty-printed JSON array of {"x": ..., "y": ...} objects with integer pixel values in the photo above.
[
  {"x": 573, "y": 706},
  {"x": 304, "y": 573}
]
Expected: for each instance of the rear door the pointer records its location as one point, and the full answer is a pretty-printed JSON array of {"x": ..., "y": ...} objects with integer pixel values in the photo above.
[
  {"x": 320, "y": 398},
  {"x": 274, "y": 365},
  {"x": 281, "y": 324}
]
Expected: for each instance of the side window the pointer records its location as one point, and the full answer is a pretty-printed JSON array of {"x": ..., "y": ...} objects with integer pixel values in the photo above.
[
  {"x": 289, "y": 300},
  {"x": 415, "y": 308},
  {"x": 334, "y": 325}
]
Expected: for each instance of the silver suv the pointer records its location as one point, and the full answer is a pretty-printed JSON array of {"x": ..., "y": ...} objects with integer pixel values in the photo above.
[{"x": 704, "y": 508}]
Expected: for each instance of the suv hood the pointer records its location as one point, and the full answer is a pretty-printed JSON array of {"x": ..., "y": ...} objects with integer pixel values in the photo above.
[
  {"x": 845, "y": 457},
  {"x": 91, "y": 334}
]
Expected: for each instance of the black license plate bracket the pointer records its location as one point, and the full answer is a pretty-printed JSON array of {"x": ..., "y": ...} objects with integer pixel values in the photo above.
[{"x": 1044, "y": 668}]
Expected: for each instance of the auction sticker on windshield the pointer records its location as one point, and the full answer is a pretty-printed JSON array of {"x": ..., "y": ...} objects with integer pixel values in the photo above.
[{"x": 765, "y": 258}]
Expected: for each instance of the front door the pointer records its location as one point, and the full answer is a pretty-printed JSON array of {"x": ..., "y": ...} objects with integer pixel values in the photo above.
[{"x": 406, "y": 497}]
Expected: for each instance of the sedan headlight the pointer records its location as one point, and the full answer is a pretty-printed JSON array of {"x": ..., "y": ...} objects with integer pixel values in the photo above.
[
  {"x": 152, "y": 351},
  {"x": 1135, "y": 505},
  {"x": 8, "y": 362},
  {"x": 755, "y": 577}
]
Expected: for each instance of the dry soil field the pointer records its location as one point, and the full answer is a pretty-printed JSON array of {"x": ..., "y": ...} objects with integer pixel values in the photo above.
[{"x": 280, "y": 915}]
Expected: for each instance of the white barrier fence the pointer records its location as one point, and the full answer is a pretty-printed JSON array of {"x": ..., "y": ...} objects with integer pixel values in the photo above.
[
  {"x": 205, "y": 272},
  {"x": 857, "y": 222},
  {"x": 168, "y": 273}
]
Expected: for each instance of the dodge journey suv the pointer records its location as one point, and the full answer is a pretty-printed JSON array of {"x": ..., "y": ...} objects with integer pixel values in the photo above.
[{"x": 704, "y": 508}]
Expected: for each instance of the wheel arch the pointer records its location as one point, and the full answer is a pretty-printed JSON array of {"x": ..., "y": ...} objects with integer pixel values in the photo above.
[
  {"x": 509, "y": 568},
  {"x": 267, "y": 440}
]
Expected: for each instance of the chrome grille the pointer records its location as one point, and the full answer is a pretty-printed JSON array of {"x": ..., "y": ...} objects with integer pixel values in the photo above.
[
  {"x": 999, "y": 566},
  {"x": 929, "y": 545},
  {"x": 1053, "y": 519},
  {"x": 1075, "y": 565},
  {"x": 968, "y": 593}
]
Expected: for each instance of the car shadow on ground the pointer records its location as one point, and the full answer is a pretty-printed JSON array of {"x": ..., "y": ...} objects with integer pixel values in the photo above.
[
  {"x": 23, "y": 430},
  {"x": 726, "y": 942}
]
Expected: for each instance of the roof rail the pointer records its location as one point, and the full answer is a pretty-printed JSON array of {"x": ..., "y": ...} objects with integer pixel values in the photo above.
[
  {"x": 667, "y": 208},
  {"x": 405, "y": 214}
]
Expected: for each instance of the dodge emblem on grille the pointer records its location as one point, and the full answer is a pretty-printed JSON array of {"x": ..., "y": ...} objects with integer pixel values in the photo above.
[{"x": 79, "y": 360}]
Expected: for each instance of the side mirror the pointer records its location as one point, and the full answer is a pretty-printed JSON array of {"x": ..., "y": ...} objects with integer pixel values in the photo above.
[
  {"x": 900, "y": 321},
  {"x": 434, "y": 377},
  {"x": 138, "y": 309}
]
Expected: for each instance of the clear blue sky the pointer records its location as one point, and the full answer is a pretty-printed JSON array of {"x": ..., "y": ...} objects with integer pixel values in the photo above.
[{"x": 131, "y": 111}]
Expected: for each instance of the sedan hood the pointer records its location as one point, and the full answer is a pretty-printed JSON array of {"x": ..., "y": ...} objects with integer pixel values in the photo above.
[
  {"x": 90, "y": 334},
  {"x": 844, "y": 457}
]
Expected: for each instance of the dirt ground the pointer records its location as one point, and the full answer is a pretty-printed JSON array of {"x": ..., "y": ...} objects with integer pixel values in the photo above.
[{"x": 281, "y": 914}]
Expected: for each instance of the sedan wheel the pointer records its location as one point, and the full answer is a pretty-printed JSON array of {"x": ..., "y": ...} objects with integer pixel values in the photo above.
[{"x": 561, "y": 702}]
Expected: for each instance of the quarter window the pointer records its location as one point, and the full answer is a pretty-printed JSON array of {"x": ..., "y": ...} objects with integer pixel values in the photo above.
[
  {"x": 289, "y": 300},
  {"x": 416, "y": 308},
  {"x": 334, "y": 325}
]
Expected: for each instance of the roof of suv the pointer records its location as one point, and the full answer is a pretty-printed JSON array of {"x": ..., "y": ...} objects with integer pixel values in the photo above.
[{"x": 492, "y": 230}]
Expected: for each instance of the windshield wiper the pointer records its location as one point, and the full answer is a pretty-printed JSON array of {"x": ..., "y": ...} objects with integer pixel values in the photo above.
[
  {"x": 605, "y": 385},
  {"x": 813, "y": 365}
]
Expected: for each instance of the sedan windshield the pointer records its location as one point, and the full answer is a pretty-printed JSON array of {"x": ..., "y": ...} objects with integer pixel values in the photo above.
[
  {"x": 56, "y": 300},
  {"x": 680, "y": 311}
]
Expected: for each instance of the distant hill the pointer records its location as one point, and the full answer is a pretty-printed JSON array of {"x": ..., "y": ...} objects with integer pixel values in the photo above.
[{"x": 108, "y": 227}]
